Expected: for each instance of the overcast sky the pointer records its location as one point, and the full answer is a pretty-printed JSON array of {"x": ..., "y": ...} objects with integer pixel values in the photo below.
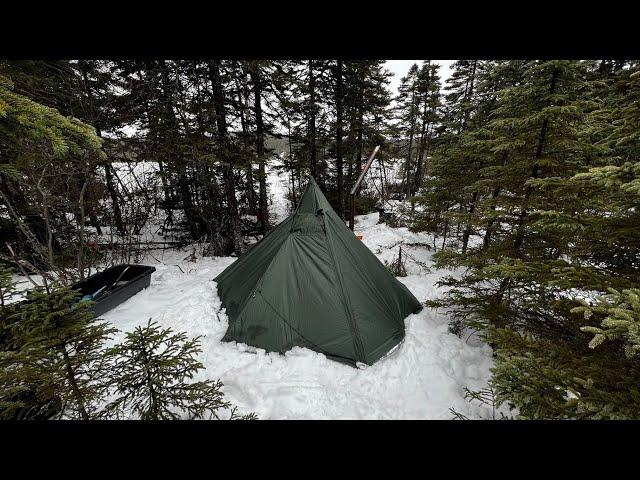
[{"x": 399, "y": 68}]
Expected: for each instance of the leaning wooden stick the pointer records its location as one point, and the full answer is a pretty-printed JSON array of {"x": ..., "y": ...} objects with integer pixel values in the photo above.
[{"x": 356, "y": 187}]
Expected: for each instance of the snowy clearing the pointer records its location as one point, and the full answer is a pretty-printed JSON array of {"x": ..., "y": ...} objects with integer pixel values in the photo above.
[{"x": 422, "y": 379}]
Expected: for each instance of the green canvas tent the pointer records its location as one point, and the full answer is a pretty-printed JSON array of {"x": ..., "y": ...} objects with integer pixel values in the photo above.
[{"x": 312, "y": 283}]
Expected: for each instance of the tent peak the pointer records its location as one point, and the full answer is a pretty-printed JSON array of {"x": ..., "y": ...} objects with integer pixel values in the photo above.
[{"x": 312, "y": 199}]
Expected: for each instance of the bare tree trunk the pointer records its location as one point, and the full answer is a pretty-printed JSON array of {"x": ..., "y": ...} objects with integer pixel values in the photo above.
[
  {"x": 229, "y": 181},
  {"x": 474, "y": 195},
  {"x": 81, "y": 259},
  {"x": 117, "y": 214},
  {"x": 113, "y": 193},
  {"x": 359, "y": 145},
  {"x": 188, "y": 206},
  {"x": 406, "y": 178},
  {"x": 47, "y": 218},
  {"x": 339, "y": 138},
  {"x": 251, "y": 195},
  {"x": 417, "y": 179},
  {"x": 383, "y": 178},
  {"x": 291, "y": 164},
  {"x": 487, "y": 235},
  {"x": 467, "y": 230},
  {"x": 350, "y": 173},
  {"x": 312, "y": 122},
  {"x": 263, "y": 211}
]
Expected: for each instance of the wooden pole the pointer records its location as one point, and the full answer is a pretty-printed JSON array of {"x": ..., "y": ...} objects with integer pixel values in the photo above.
[{"x": 356, "y": 187}]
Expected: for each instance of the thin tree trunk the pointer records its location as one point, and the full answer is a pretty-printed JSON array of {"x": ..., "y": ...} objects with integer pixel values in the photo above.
[
  {"x": 406, "y": 179},
  {"x": 383, "y": 178},
  {"x": 117, "y": 215},
  {"x": 113, "y": 193},
  {"x": 474, "y": 195},
  {"x": 74, "y": 385},
  {"x": 312, "y": 122},
  {"x": 81, "y": 264},
  {"x": 47, "y": 219},
  {"x": 339, "y": 166},
  {"x": 154, "y": 404},
  {"x": 417, "y": 180},
  {"x": 227, "y": 170},
  {"x": 263, "y": 211},
  {"x": 251, "y": 195},
  {"x": 291, "y": 165},
  {"x": 536, "y": 166},
  {"x": 467, "y": 230},
  {"x": 467, "y": 95},
  {"x": 188, "y": 206},
  {"x": 489, "y": 231},
  {"x": 350, "y": 175},
  {"x": 359, "y": 146}
]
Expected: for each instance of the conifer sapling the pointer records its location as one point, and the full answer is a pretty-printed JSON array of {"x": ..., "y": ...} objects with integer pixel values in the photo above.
[
  {"x": 61, "y": 355},
  {"x": 152, "y": 374}
]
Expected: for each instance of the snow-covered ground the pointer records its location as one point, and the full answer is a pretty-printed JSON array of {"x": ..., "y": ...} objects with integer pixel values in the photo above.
[{"x": 421, "y": 379}]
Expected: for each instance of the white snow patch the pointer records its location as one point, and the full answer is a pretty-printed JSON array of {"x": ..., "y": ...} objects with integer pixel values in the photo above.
[{"x": 278, "y": 188}]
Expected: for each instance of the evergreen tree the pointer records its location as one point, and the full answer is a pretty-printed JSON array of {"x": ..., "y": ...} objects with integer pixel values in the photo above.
[
  {"x": 407, "y": 110},
  {"x": 453, "y": 155},
  {"x": 34, "y": 138},
  {"x": 556, "y": 228},
  {"x": 621, "y": 312},
  {"x": 429, "y": 90},
  {"x": 151, "y": 375},
  {"x": 60, "y": 356}
]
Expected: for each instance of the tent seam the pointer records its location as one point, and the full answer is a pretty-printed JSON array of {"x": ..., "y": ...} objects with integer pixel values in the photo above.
[
  {"x": 252, "y": 295},
  {"x": 357, "y": 340}
]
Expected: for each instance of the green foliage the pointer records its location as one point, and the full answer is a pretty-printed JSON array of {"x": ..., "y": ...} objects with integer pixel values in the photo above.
[
  {"x": 561, "y": 378},
  {"x": 7, "y": 310},
  {"x": 59, "y": 357},
  {"x": 621, "y": 312},
  {"x": 151, "y": 376},
  {"x": 544, "y": 175},
  {"x": 7, "y": 285},
  {"x": 23, "y": 121},
  {"x": 54, "y": 365},
  {"x": 48, "y": 158},
  {"x": 418, "y": 111}
]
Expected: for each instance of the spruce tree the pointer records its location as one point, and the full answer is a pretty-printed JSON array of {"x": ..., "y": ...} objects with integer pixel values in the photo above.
[
  {"x": 557, "y": 226},
  {"x": 457, "y": 156},
  {"x": 407, "y": 109},
  {"x": 152, "y": 375},
  {"x": 60, "y": 355}
]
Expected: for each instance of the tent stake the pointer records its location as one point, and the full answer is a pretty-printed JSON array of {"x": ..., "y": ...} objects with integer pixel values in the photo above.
[{"x": 356, "y": 187}]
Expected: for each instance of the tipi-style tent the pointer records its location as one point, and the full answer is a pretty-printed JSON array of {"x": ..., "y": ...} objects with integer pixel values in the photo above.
[{"x": 312, "y": 283}]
